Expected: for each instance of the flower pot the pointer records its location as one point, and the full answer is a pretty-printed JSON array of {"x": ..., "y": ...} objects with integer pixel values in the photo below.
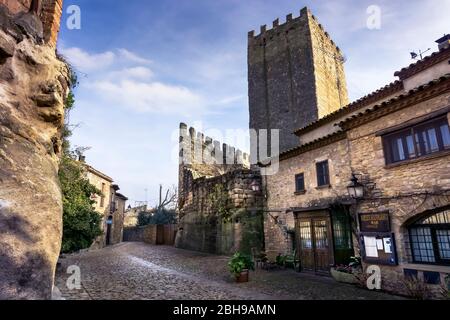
[
  {"x": 242, "y": 277},
  {"x": 343, "y": 277}
]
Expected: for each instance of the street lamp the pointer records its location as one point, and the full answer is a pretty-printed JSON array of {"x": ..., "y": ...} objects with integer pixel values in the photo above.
[
  {"x": 355, "y": 188},
  {"x": 256, "y": 187}
]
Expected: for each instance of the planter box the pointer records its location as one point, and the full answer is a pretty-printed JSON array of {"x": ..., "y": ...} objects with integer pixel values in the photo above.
[
  {"x": 344, "y": 277},
  {"x": 243, "y": 277}
]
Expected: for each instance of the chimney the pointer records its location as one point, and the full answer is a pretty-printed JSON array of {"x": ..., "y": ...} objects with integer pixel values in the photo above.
[
  {"x": 444, "y": 42},
  {"x": 82, "y": 158}
]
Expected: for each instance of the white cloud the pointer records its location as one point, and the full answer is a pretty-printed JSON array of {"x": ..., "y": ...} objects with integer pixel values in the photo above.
[
  {"x": 130, "y": 56},
  {"x": 153, "y": 97},
  {"x": 140, "y": 73},
  {"x": 123, "y": 79},
  {"x": 86, "y": 62}
]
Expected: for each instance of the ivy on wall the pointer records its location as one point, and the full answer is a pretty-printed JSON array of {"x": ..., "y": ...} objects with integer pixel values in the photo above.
[{"x": 219, "y": 202}]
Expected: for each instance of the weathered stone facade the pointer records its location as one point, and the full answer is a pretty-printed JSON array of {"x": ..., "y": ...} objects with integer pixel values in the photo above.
[
  {"x": 282, "y": 197},
  {"x": 296, "y": 76},
  {"x": 223, "y": 214},
  {"x": 33, "y": 88},
  {"x": 111, "y": 205},
  {"x": 118, "y": 218},
  {"x": 152, "y": 234},
  {"x": 409, "y": 190}
]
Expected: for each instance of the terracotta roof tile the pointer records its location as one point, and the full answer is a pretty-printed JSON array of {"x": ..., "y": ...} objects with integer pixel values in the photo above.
[
  {"x": 323, "y": 141},
  {"x": 423, "y": 64},
  {"x": 393, "y": 100},
  {"x": 360, "y": 103}
]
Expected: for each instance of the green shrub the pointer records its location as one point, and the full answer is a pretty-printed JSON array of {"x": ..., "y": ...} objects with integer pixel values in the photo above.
[
  {"x": 240, "y": 262},
  {"x": 81, "y": 224},
  {"x": 162, "y": 216}
]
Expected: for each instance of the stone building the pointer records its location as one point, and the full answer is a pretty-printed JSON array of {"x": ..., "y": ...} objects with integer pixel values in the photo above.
[
  {"x": 219, "y": 211},
  {"x": 111, "y": 205},
  {"x": 401, "y": 151},
  {"x": 296, "y": 192},
  {"x": 132, "y": 215},
  {"x": 295, "y": 76},
  {"x": 394, "y": 147}
]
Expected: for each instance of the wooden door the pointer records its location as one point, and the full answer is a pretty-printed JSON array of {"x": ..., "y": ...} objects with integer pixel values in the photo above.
[
  {"x": 315, "y": 244},
  {"x": 306, "y": 248},
  {"x": 322, "y": 247},
  {"x": 159, "y": 234}
]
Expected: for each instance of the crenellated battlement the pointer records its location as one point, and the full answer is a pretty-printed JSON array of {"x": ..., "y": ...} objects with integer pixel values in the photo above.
[
  {"x": 291, "y": 23},
  {"x": 197, "y": 149},
  {"x": 295, "y": 75}
]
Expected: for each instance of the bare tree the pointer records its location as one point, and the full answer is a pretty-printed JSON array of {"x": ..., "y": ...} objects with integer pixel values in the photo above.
[
  {"x": 79, "y": 152},
  {"x": 170, "y": 199}
]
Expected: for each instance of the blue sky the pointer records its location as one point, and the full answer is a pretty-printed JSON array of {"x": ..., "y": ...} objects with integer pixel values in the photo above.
[{"x": 145, "y": 66}]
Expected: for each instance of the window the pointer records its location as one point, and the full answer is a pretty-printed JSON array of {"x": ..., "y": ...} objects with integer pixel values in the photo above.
[
  {"x": 300, "y": 182},
  {"x": 430, "y": 239},
  {"x": 417, "y": 141},
  {"x": 323, "y": 175}
]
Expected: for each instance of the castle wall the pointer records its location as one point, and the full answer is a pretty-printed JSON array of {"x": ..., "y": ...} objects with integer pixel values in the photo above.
[
  {"x": 201, "y": 156},
  {"x": 224, "y": 215}
]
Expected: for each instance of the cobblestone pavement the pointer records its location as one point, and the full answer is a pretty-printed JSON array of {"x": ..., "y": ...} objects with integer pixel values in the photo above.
[{"x": 137, "y": 271}]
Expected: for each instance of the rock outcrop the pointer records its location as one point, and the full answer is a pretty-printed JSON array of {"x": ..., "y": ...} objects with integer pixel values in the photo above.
[{"x": 33, "y": 86}]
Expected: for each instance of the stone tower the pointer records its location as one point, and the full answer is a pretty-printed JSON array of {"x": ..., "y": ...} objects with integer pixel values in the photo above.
[{"x": 296, "y": 76}]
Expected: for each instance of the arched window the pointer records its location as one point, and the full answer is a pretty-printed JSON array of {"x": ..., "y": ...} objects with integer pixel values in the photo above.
[{"x": 430, "y": 239}]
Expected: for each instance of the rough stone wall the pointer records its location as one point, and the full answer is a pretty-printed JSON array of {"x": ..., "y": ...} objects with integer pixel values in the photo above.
[
  {"x": 282, "y": 194},
  {"x": 292, "y": 79},
  {"x": 50, "y": 14},
  {"x": 202, "y": 228},
  {"x": 133, "y": 234},
  {"x": 118, "y": 221},
  {"x": 202, "y": 156},
  {"x": 33, "y": 87},
  {"x": 394, "y": 185},
  {"x": 152, "y": 234},
  {"x": 331, "y": 84}
]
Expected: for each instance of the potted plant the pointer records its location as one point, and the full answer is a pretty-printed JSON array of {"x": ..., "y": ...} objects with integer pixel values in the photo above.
[
  {"x": 347, "y": 273},
  {"x": 239, "y": 266}
]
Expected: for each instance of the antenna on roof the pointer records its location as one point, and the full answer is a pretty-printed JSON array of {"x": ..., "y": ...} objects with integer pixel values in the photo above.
[{"x": 415, "y": 56}]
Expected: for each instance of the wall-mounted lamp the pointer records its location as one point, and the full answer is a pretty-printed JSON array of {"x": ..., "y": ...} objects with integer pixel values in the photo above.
[{"x": 355, "y": 188}]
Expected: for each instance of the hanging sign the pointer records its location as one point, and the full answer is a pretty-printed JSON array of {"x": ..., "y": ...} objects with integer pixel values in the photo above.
[{"x": 374, "y": 222}]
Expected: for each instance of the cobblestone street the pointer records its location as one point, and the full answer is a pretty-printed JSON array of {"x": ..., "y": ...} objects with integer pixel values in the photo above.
[{"x": 136, "y": 271}]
